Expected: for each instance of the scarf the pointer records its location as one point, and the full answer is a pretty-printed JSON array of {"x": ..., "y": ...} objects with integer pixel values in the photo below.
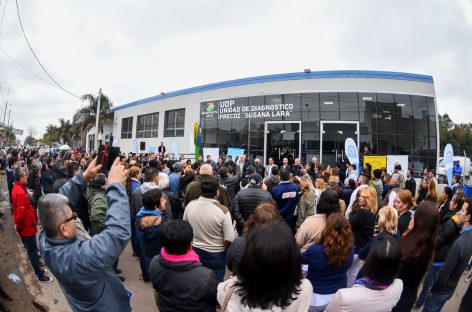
[
  {"x": 190, "y": 256},
  {"x": 371, "y": 284},
  {"x": 143, "y": 212}
]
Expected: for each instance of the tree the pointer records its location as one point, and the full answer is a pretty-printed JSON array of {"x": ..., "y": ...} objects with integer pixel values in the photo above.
[
  {"x": 64, "y": 130},
  {"x": 51, "y": 136},
  {"x": 30, "y": 140},
  {"x": 85, "y": 116},
  {"x": 458, "y": 135}
]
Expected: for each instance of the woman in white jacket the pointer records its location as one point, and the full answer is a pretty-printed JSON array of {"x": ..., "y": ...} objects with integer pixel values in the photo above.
[{"x": 379, "y": 290}]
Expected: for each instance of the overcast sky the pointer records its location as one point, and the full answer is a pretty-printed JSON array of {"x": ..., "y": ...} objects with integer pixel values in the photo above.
[{"x": 136, "y": 49}]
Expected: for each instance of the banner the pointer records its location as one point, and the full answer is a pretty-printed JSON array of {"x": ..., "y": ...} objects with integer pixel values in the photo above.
[
  {"x": 235, "y": 152},
  {"x": 152, "y": 149},
  {"x": 214, "y": 152},
  {"x": 377, "y": 162},
  {"x": 352, "y": 153},
  {"x": 449, "y": 162},
  {"x": 174, "y": 145},
  {"x": 197, "y": 138},
  {"x": 393, "y": 160},
  {"x": 135, "y": 146}
]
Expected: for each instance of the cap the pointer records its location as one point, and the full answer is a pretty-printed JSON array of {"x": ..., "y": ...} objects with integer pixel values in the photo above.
[
  {"x": 254, "y": 178},
  {"x": 178, "y": 167}
]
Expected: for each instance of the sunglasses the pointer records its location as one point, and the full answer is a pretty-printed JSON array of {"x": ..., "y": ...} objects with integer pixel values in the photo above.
[{"x": 74, "y": 217}]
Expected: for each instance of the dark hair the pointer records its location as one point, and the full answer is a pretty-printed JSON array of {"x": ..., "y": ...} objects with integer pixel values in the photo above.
[
  {"x": 284, "y": 175},
  {"x": 377, "y": 173},
  {"x": 150, "y": 174},
  {"x": 209, "y": 187},
  {"x": 448, "y": 192},
  {"x": 275, "y": 170},
  {"x": 223, "y": 172},
  {"x": 351, "y": 184},
  {"x": 269, "y": 273},
  {"x": 250, "y": 169},
  {"x": 176, "y": 236},
  {"x": 328, "y": 203},
  {"x": 383, "y": 261},
  {"x": 152, "y": 198},
  {"x": 98, "y": 181},
  {"x": 411, "y": 171},
  {"x": 354, "y": 166},
  {"x": 72, "y": 167},
  {"x": 398, "y": 167},
  {"x": 12, "y": 161},
  {"x": 421, "y": 240},
  {"x": 457, "y": 178}
]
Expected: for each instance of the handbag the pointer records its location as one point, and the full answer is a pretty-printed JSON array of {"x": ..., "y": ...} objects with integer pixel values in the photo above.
[{"x": 228, "y": 296}]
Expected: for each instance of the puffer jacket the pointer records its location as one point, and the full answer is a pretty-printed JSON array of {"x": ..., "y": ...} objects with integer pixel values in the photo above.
[
  {"x": 149, "y": 225},
  {"x": 183, "y": 286},
  {"x": 97, "y": 205},
  {"x": 231, "y": 184},
  {"x": 245, "y": 202}
]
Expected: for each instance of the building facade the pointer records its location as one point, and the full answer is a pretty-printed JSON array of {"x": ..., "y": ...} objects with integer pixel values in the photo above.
[{"x": 298, "y": 115}]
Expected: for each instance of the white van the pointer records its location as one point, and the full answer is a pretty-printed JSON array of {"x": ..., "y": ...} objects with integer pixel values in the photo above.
[{"x": 463, "y": 161}]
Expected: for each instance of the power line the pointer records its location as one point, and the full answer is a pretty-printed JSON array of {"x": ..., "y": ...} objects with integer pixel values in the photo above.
[
  {"x": 24, "y": 68},
  {"x": 37, "y": 59},
  {"x": 3, "y": 16}
]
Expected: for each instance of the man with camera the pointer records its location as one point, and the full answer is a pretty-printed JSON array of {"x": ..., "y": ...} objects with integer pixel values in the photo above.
[{"x": 84, "y": 267}]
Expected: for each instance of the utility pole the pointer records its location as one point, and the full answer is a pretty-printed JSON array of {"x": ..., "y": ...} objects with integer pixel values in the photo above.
[
  {"x": 5, "y": 113},
  {"x": 97, "y": 117},
  {"x": 9, "y": 113}
]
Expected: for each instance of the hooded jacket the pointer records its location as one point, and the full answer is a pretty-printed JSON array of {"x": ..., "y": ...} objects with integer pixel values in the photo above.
[
  {"x": 183, "y": 285},
  {"x": 97, "y": 205},
  {"x": 148, "y": 225}
]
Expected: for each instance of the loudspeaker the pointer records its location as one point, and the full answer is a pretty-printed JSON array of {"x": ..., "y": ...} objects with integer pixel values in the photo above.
[{"x": 142, "y": 146}]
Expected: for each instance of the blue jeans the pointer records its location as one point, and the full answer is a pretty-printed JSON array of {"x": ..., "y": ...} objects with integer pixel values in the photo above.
[
  {"x": 215, "y": 261},
  {"x": 142, "y": 261},
  {"x": 32, "y": 251},
  {"x": 436, "y": 302},
  {"x": 427, "y": 283}
]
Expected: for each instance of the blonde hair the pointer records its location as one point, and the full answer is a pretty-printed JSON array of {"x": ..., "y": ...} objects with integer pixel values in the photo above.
[
  {"x": 432, "y": 189},
  {"x": 388, "y": 219},
  {"x": 370, "y": 195},
  {"x": 320, "y": 184}
]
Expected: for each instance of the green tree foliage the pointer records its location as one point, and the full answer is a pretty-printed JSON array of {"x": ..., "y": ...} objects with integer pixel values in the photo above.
[
  {"x": 458, "y": 135},
  {"x": 85, "y": 116}
]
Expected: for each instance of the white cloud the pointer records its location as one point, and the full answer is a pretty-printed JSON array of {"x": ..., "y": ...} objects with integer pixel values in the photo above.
[{"x": 136, "y": 49}]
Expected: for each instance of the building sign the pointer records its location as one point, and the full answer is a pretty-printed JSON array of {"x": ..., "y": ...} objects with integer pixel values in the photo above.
[
  {"x": 17, "y": 131},
  {"x": 234, "y": 109}
]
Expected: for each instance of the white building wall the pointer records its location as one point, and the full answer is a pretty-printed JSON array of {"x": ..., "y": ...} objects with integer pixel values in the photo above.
[
  {"x": 191, "y": 103},
  {"x": 104, "y": 137}
]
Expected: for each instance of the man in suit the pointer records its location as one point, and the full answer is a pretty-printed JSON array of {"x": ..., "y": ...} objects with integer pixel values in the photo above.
[
  {"x": 285, "y": 166},
  {"x": 410, "y": 183},
  {"x": 242, "y": 164},
  {"x": 268, "y": 168},
  {"x": 161, "y": 149}
]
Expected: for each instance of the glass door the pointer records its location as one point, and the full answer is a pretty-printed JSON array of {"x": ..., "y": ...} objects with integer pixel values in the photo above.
[
  {"x": 333, "y": 135},
  {"x": 282, "y": 140}
]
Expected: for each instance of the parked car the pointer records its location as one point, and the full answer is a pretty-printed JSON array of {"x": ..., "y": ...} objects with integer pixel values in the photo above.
[{"x": 463, "y": 161}]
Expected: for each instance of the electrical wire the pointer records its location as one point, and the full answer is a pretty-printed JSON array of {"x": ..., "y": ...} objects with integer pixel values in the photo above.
[
  {"x": 3, "y": 16},
  {"x": 26, "y": 69},
  {"x": 37, "y": 59}
]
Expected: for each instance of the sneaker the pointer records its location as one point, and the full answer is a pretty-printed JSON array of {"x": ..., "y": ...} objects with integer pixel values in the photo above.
[
  {"x": 46, "y": 279},
  {"x": 44, "y": 270}
]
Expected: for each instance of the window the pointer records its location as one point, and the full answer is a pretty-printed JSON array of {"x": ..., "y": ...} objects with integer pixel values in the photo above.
[
  {"x": 174, "y": 123},
  {"x": 127, "y": 128},
  {"x": 91, "y": 138},
  {"x": 146, "y": 127}
]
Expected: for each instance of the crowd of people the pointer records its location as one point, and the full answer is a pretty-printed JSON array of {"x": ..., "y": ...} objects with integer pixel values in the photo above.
[{"x": 239, "y": 235}]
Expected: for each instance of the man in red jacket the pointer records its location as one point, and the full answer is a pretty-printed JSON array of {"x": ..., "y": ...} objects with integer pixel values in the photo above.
[{"x": 24, "y": 218}]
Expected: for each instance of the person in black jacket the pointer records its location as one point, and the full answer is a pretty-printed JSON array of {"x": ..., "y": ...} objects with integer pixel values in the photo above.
[
  {"x": 47, "y": 178},
  {"x": 457, "y": 259},
  {"x": 448, "y": 233},
  {"x": 410, "y": 183},
  {"x": 229, "y": 181},
  {"x": 180, "y": 280},
  {"x": 247, "y": 200},
  {"x": 445, "y": 204}
]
